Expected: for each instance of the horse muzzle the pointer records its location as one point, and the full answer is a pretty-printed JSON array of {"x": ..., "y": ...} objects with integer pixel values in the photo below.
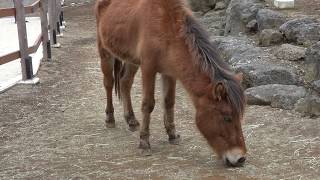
[{"x": 234, "y": 158}]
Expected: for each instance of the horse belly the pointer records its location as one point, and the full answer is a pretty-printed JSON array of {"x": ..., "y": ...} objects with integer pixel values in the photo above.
[{"x": 119, "y": 34}]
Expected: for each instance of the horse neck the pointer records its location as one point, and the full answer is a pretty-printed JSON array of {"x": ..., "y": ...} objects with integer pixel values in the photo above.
[{"x": 197, "y": 83}]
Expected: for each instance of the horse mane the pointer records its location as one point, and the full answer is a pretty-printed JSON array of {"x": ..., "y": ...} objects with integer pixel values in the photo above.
[{"x": 206, "y": 56}]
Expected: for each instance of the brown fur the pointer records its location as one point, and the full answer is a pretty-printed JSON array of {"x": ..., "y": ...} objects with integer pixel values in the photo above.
[{"x": 163, "y": 37}]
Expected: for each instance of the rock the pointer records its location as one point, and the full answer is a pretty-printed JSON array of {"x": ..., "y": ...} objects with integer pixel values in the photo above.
[
  {"x": 269, "y": 19},
  {"x": 239, "y": 14},
  {"x": 226, "y": 2},
  {"x": 290, "y": 52},
  {"x": 213, "y": 22},
  {"x": 252, "y": 26},
  {"x": 287, "y": 101},
  {"x": 312, "y": 63},
  {"x": 309, "y": 105},
  {"x": 202, "y": 5},
  {"x": 220, "y": 5},
  {"x": 262, "y": 74},
  {"x": 316, "y": 86},
  {"x": 197, "y": 14},
  {"x": 256, "y": 64},
  {"x": 231, "y": 46},
  {"x": 260, "y": 95},
  {"x": 254, "y": 55},
  {"x": 304, "y": 31},
  {"x": 240, "y": 50},
  {"x": 276, "y": 95},
  {"x": 270, "y": 37}
]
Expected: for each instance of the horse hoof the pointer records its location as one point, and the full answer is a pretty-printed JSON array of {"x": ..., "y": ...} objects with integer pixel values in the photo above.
[
  {"x": 175, "y": 140},
  {"x": 134, "y": 128},
  {"x": 133, "y": 123},
  {"x": 145, "y": 152},
  {"x": 110, "y": 124}
]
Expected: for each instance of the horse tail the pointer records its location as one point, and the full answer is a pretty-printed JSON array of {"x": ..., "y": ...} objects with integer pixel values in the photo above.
[{"x": 118, "y": 69}]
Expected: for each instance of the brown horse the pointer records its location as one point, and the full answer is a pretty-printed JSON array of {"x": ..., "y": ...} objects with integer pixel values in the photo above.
[{"x": 162, "y": 36}]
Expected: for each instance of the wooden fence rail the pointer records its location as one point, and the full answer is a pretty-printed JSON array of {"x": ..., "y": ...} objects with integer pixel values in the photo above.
[
  {"x": 53, "y": 9},
  {"x": 12, "y": 11}
]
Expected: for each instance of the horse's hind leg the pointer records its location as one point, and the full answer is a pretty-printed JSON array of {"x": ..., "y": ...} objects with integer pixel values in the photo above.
[
  {"x": 126, "y": 82},
  {"x": 169, "y": 90},
  {"x": 107, "y": 62}
]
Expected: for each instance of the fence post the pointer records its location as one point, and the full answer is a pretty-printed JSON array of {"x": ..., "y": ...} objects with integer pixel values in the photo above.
[
  {"x": 44, "y": 30},
  {"x": 26, "y": 61},
  {"x": 63, "y": 23},
  {"x": 52, "y": 23},
  {"x": 15, "y": 14},
  {"x": 61, "y": 18},
  {"x": 58, "y": 12}
]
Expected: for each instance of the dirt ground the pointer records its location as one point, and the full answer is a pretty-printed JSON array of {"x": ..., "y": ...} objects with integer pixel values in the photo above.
[{"x": 56, "y": 130}]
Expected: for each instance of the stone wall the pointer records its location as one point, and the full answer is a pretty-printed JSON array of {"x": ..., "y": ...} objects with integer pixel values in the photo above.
[{"x": 278, "y": 54}]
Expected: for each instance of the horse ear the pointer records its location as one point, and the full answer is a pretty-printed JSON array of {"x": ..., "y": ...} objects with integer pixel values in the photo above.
[
  {"x": 239, "y": 77},
  {"x": 220, "y": 91}
]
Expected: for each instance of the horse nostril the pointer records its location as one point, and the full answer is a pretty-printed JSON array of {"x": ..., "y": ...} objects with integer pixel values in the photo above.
[
  {"x": 228, "y": 163},
  {"x": 241, "y": 160}
]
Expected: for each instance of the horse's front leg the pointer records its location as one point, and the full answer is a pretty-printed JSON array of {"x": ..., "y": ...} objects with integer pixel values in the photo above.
[
  {"x": 169, "y": 93},
  {"x": 148, "y": 102}
]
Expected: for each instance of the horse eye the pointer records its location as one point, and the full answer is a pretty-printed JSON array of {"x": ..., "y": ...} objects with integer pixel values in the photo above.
[{"x": 227, "y": 119}]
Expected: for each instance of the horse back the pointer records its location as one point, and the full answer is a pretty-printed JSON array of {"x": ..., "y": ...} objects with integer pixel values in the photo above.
[{"x": 131, "y": 29}]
